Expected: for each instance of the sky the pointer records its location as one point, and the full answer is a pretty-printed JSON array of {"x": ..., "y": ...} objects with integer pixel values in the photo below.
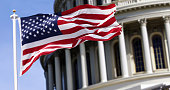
[{"x": 34, "y": 78}]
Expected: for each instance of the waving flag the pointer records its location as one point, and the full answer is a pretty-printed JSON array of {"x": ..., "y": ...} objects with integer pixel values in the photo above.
[{"x": 42, "y": 34}]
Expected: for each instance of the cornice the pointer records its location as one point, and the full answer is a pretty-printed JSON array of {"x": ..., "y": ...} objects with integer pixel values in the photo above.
[{"x": 142, "y": 5}]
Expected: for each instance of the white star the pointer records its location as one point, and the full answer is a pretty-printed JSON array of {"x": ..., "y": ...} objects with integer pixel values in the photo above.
[
  {"x": 33, "y": 29},
  {"x": 27, "y": 37},
  {"x": 45, "y": 26},
  {"x": 22, "y": 24},
  {"x": 36, "y": 22},
  {"x": 32, "y": 24},
  {"x": 43, "y": 30},
  {"x": 30, "y": 28},
  {"x": 40, "y": 19},
  {"x": 23, "y": 21},
  {"x": 27, "y": 31},
  {"x": 37, "y": 32},
  {"x": 25, "y": 26},
  {"x": 36, "y": 17},
  {"x": 35, "y": 35},
  {"x": 30, "y": 19},
  {"x": 55, "y": 30},
  {"x": 33, "y": 21},
  {"x": 50, "y": 29},
  {"x": 48, "y": 32},
  {"x": 52, "y": 24},
  {"x": 43, "y": 16},
  {"x": 47, "y": 17},
  {"x": 30, "y": 33},
  {"x": 42, "y": 33},
  {"x": 29, "y": 23}
]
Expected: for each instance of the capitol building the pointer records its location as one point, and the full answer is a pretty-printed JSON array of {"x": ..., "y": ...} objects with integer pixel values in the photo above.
[{"x": 138, "y": 59}]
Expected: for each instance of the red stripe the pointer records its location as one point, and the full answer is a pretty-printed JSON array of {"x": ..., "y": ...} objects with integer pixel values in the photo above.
[
  {"x": 61, "y": 22},
  {"x": 87, "y": 6}
]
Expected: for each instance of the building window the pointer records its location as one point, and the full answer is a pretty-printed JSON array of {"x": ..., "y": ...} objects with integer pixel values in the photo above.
[
  {"x": 74, "y": 3},
  {"x": 77, "y": 79},
  {"x": 158, "y": 52},
  {"x": 88, "y": 68},
  {"x": 138, "y": 55},
  {"x": 117, "y": 60},
  {"x": 99, "y": 2},
  {"x": 85, "y": 1}
]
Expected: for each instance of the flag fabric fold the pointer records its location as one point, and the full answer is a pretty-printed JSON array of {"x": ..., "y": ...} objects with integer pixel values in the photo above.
[{"x": 43, "y": 34}]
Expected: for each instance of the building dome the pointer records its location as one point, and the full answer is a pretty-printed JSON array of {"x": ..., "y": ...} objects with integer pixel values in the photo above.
[{"x": 138, "y": 59}]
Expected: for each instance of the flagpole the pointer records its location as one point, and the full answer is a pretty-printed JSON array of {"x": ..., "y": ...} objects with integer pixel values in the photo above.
[{"x": 14, "y": 18}]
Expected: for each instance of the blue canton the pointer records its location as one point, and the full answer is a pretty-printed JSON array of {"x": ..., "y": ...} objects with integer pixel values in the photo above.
[{"x": 38, "y": 27}]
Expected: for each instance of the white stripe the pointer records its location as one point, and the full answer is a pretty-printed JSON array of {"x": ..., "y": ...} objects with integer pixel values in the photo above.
[
  {"x": 73, "y": 19},
  {"x": 100, "y": 37},
  {"x": 78, "y": 42},
  {"x": 107, "y": 29},
  {"x": 29, "y": 55},
  {"x": 90, "y": 11},
  {"x": 71, "y": 25}
]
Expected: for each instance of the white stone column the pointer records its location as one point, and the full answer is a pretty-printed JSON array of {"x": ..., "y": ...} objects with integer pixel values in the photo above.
[
  {"x": 123, "y": 57},
  {"x": 92, "y": 2},
  {"x": 146, "y": 46},
  {"x": 57, "y": 72},
  {"x": 102, "y": 62},
  {"x": 106, "y": 1},
  {"x": 69, "y": 5},
  {"x": 69, "y": 70},
  {"x": 167, "y": 30},
  {"x": 109, "y": 1},
  {"x": 83, "y": 66}
]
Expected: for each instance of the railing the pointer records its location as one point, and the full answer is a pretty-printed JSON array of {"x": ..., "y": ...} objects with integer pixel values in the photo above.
[{"x": 128, "y": 2}]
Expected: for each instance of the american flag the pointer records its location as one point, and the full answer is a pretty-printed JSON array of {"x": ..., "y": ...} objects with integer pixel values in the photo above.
[{"x": 42, "y": 34}]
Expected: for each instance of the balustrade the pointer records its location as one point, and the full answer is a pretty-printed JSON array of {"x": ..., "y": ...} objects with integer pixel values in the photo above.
[{"x": 128, "y": 2}]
